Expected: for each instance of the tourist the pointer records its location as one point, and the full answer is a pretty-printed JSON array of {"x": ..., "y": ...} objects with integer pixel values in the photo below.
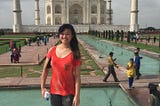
[
  {"x": 137, "y": 59},
  {"x": 138, "y": 50},
  {"x": 16, "y": 55},
  {"x": 26, "y": 41},
  {"x": 11, "y": 54},
  {"x": 154, "y": 39},
  {"x": 137, "y": 37},
  {"x": 45, "y": 40},
  {"x": 111, "y": 70},
  {"x": 65, "y": 63},
  {"x": 131, "y": 67},
  {"x": 38, "y": 41},
  {"x": 149, "y": 38},
  {"x": 29, "y": 41}
]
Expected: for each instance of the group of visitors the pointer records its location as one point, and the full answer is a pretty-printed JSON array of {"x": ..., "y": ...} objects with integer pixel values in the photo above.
[
  {"x": 148, "y": 39},
  {"x": 133, "y": 68},
  {"x": 45, "y": 39},
  {"x": 14, "y": 52}
]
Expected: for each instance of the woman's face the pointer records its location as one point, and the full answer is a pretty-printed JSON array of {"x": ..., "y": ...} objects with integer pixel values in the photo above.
[{"x": 66, "y": 36}]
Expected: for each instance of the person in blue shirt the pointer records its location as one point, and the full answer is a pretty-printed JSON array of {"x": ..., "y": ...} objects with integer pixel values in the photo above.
[
  {"x": 137, "y": 60},
  {"x": 45, "y": 40}
]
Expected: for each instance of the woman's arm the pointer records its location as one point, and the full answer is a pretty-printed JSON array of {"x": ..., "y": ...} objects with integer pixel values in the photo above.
[
  {"x": 76, "y": 100},
  {"x": 44, "y": 77}
]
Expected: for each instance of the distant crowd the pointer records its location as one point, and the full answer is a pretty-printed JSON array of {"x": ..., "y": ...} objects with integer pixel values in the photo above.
[{"x": 15, "y": 52}]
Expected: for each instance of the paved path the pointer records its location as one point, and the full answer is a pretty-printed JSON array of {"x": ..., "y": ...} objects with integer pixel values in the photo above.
[
  {"x": 30, "y": 55},
  {"x": 140, "y": 93}
]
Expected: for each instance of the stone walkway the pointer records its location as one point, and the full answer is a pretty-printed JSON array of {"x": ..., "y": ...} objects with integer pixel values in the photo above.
[
  {"x": 30, "y": 55},
  {"x": 140, "y": 94}
]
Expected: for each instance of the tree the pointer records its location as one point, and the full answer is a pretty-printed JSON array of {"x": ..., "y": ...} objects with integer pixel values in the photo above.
[{"x": 1, "y": 32}]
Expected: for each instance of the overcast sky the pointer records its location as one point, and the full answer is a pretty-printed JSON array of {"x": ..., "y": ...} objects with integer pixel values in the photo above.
[{"x": 149, "y": 12}]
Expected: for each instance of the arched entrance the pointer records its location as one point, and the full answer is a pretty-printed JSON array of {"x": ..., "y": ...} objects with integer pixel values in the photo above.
[{"x": 75, "y": 14}]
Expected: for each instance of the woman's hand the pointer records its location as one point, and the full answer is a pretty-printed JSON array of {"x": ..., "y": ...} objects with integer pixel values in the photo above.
[
  {"x": 76, "y": 101},
  {"x": 43, "y": 90}
]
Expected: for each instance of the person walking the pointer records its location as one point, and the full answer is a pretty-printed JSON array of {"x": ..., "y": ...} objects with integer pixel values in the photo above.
[
  {"x": 65, "y": 63},
  {"x": 111, "y": 70},
  {"x": 131, "y": 72}
]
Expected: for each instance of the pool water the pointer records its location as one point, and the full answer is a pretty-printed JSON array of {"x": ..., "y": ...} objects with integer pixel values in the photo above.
[
  {"x": 109, "y": 96},
  {"x": 149, "y": 66},
  {"x": 104, "y": 96},
  {"x": 19, "y": 97}
]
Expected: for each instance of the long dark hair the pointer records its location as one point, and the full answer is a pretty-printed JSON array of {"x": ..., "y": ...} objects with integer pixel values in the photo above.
[{"x": 73, "y": 42}]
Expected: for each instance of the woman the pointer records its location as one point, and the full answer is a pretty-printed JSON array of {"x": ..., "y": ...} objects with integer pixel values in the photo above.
[{"x": 65, "y": 63}]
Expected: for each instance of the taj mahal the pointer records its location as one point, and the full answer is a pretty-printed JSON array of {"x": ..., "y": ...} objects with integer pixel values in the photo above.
[{"x": 85, "y": 15}]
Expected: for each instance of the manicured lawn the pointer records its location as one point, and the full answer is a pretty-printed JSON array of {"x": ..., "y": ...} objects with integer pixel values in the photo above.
[
  {"x": 142, "y": 46},
  {"x": 5, "y": 46},
  {"x": 18, "y": 39},
  {"x": 88, "y": 64}
]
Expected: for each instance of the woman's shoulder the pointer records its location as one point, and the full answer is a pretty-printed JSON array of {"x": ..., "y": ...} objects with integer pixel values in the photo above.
[{"x": 52, "y": 48}]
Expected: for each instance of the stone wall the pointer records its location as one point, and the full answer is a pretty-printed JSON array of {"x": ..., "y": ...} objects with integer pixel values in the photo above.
[
  {"x": 78, "y": 28},
  {"x": 101, "y": 28},
  {"x": 51, "y": 28}
]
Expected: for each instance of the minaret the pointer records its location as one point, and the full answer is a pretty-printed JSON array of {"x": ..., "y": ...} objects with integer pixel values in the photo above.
[
  {"x": 134, "y": 16},
  {"x": 109, "y": 13},
  {"x": 37, "y": 15},
  {"x": 17, "y": 16},
  {"x": 99, "y": 12}
]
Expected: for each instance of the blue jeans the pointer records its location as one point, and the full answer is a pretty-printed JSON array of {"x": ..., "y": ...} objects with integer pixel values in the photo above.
[
  {"x": 130, "y": 81},
  {"x": 58, "y": 100},
  {"x": 138, "y": 74}
]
